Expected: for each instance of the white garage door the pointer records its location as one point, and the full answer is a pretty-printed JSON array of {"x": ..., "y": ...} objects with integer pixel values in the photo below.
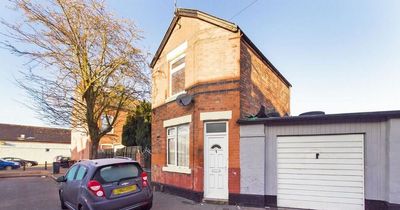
[{"x": 321, "y": 172}]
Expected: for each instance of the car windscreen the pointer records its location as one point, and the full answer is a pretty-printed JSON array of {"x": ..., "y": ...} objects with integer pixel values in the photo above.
[{"x": 117, "y": 172}]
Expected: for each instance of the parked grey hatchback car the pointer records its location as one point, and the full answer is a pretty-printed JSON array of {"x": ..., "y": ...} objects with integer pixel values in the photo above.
[{"x": 105, "y": 184}]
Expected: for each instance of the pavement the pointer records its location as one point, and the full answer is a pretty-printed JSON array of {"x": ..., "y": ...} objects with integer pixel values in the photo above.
[
  {"x": 163, "y": 201},
  {"x": 35, "y": 171},
  {"x": 40, "y": 193}
]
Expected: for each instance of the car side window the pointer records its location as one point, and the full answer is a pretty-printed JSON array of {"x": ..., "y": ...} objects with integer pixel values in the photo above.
[
  {"x": 71, "y": 173},
  {"x": 81, "y": 173}
]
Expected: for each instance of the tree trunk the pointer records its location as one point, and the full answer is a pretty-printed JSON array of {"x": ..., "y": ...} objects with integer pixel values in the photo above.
[
  {"x": 94, "y": 145},
  {"x": 94, "y": 150}
]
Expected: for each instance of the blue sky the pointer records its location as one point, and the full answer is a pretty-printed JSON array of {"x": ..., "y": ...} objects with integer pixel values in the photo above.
[{"x": 339, "y": 55}]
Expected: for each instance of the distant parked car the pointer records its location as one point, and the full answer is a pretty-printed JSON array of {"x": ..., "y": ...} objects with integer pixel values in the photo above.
[
  {"x": 22, "y": 162},
  {"x": 64, "y": 161},
  {"x": 7, "y": 165},
  {"x": 103, "y": 184}
]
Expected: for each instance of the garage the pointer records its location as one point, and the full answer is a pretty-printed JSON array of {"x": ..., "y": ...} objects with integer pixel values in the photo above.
[
  {"x": 321, "y": 171},
  {"x": 324, "y": 161}
]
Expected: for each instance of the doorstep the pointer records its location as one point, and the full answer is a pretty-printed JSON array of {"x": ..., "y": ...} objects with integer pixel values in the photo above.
[{"x": 216, "y": 201}]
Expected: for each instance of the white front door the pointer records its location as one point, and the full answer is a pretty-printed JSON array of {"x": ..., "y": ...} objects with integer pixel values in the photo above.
[{"x": 216, "y": 161}]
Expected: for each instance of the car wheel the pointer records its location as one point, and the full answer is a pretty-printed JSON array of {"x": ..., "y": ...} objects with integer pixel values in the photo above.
[
  {"x": 28, "y": 164},
  {"x": 63, "y": 206},
  {"x": 8, "y": 168}
]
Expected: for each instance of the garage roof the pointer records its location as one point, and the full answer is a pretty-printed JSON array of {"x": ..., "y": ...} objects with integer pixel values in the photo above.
[
  {"x": 326, "y": 118},
  {"x": 21, "y": 133}
]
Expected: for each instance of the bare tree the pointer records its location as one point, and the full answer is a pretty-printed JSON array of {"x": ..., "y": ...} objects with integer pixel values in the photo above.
[{"x": 83, "y": 62}]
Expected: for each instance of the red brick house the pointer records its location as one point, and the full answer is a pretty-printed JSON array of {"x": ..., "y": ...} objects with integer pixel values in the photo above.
[
  {"x": 222, "y": 76},
  {"x": 80, "y": 140}
]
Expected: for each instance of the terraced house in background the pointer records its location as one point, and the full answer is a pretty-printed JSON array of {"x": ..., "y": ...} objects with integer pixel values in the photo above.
[{"x": 207, "y": 74}]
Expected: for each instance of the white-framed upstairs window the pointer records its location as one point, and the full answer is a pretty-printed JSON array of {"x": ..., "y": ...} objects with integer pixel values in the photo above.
[
  {"x": 178, "y": 146},
  {"x": 177, "y": 75}
]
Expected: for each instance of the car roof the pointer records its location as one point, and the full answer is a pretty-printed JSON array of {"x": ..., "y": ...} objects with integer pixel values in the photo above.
[
  {"x": 106, "y": 161},
  {"x": 4, "y": 160}
]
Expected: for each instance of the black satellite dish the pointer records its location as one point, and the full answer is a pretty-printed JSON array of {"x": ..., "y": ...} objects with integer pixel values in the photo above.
[{"x": 184, "y": 99}]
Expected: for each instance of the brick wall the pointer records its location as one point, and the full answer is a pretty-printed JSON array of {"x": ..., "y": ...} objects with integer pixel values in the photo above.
[
  {"x": 221, "y": 96},
  {"x": 159, "y": 145},
  {"x": 260, "y": 85},
  {"x": 116, "y": 135},
  {"x": 212, "y": 55}
]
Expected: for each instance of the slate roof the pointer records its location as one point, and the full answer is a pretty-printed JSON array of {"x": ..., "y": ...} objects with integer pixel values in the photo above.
[{"x": 11, "y": 132}]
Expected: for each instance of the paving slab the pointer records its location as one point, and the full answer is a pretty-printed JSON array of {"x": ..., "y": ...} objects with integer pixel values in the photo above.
[{"x": 164, "y": 201}]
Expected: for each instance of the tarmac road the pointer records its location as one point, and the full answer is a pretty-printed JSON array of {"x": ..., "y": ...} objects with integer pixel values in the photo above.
[
  {"x": 25, "y": 193},
  {"x": 37, "y": 193}
]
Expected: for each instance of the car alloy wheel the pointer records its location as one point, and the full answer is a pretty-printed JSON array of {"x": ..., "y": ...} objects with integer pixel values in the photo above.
[
  {"x": 28, "y": 164},
  {"x": 8, "y": 168}
]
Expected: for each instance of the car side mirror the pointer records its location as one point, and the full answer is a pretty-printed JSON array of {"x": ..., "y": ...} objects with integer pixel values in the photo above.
[{"x": 61, "y": 179}]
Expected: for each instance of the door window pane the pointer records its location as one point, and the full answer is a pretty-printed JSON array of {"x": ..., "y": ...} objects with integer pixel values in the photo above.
[{"x": 216, "y": 127}]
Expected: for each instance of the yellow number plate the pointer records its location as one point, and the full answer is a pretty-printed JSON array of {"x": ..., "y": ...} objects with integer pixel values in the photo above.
[{"x": 123, "y": 190}]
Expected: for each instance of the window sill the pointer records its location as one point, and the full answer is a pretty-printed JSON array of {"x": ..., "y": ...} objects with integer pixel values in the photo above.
[
  {"x": 177, "y": 169},
  {"x": 172, "y": 98}
]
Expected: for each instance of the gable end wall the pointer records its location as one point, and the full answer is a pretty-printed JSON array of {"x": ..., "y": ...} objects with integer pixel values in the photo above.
[{"x": 260, "y": 85}]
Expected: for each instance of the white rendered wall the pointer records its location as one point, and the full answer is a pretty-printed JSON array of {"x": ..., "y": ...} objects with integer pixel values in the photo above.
[{"x": 36, "y": 151}]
